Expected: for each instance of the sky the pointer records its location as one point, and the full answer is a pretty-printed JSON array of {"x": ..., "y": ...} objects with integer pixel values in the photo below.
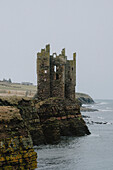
[{"x": 81, "y": 26}]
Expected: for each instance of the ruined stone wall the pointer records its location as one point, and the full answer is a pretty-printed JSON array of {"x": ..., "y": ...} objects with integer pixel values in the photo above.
[
  {"x": 70, "y": 78},
  {"x": 56, "y": 75},
  {"x": 43, "y": 73}
]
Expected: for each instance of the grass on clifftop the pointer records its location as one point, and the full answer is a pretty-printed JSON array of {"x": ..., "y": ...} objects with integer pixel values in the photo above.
[{"x": 16, "y": 89}]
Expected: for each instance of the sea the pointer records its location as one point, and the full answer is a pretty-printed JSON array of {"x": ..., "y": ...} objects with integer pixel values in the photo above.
[{"x": 90, "y": 152}]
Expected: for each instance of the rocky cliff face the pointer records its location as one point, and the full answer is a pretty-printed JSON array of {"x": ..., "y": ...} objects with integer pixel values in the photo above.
[
  {"x": 31, "y": 119},
  {"x": 60, "y": 117},
  {"x": 26, "y": 122},
  {"x": 16, "y": 147},
  {"x": 29, "y": 115}
]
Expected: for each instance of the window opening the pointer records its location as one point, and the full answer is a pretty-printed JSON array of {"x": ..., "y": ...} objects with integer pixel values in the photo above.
[
  {"x": 54, "y": 55},
  {"x": 54, "y": 68},
  {"x": 57, "y": 76},
  {"x": 45, "y": 71}
]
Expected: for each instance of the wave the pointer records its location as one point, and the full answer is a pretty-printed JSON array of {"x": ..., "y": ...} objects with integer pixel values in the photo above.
[
  {"x": 101, "y": 103},
  {"x": 108, "y": 108},
  {"x": 105, "y": 110},
  {"x": 87, "y": 105},
  {"x": 100, "y": 117},
  {"x": 94, "y": 135},
  {"x": 108, "y": 123}
]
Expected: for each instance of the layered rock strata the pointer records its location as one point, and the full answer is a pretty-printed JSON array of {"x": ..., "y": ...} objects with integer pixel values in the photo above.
[
  {"x": 26, "y": 122},
  {"x": 16, "y": 147},
  {"x": 60, "y": 117}
]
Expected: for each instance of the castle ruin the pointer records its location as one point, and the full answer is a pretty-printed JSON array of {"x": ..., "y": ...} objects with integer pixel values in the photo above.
[{"x": 56, "y": 76}]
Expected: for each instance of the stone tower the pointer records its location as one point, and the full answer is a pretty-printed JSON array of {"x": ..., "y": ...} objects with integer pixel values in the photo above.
[{"x": 56, "y": 76}]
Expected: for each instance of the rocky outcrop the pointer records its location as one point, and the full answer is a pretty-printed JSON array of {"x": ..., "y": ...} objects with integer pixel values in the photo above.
[
  {"x": 60, "y": 117},
  {"x": 28, "y": 113},
  {"x": 26, "y": 122},
  {"x": 31, "y": 119},
  {"x": 16, "y": 147},
  {"x": 84, "y": 98}
]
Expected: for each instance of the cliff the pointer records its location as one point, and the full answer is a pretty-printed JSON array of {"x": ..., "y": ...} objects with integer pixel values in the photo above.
[
  {"x": 16, "y": 147},
  {"x": 84, "y": 98},
  {"x": 60, "y": 117},
  {"x": 25, "y": 122}
]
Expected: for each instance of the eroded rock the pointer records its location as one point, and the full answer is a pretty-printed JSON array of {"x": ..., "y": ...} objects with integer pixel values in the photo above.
[
  {"x": 27, "y": 122},
  {"x": 16, "y": 147}
]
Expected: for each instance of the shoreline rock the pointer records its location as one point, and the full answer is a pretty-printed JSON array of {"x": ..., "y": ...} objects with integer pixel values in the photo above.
[
  {"x": 84, "y": 98},
  {"x": 60, "y": 117}
]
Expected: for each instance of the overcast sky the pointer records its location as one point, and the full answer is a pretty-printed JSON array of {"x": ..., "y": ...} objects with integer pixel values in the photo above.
[{"x": 81, "y": 26}]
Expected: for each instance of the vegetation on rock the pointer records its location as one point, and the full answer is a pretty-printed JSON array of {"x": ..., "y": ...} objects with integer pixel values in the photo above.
[{"x": 25, "y": 122}]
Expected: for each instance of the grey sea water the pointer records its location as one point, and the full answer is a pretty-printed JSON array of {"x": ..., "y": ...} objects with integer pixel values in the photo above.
[{"x": 92, "y": 152}]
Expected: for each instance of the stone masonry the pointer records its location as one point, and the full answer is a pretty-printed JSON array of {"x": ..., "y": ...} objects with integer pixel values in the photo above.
[{"x": 56, "y": 76}]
